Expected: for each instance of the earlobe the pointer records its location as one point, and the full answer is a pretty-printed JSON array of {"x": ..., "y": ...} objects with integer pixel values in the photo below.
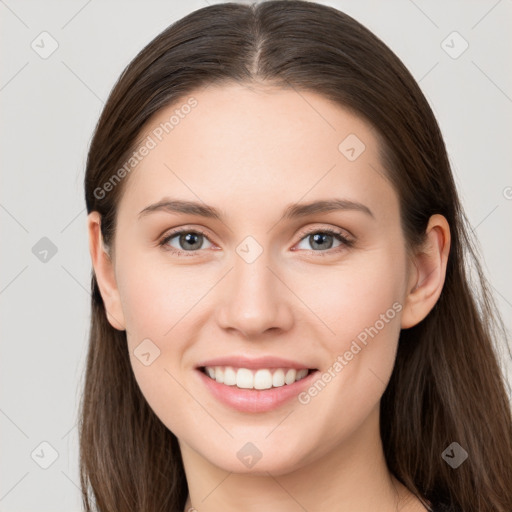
[
  {"x": 429, "y": 271},
  {"x": 104, "y": 272}
]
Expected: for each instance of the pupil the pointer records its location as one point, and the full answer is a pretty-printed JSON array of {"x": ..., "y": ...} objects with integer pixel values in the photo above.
[
  {"x": 189, "y": 239},
  {"x": 320, "y": 236}
]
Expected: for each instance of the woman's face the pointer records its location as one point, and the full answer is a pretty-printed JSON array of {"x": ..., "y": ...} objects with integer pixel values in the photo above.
[{"x": 264, "y": 279}]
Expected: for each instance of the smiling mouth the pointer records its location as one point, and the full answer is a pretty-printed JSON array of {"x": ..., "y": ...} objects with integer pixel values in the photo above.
[{"x": 257, "y": 379}]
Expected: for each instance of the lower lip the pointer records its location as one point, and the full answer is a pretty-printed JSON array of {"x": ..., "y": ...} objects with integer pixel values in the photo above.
[{"x": 255, "y": 400}]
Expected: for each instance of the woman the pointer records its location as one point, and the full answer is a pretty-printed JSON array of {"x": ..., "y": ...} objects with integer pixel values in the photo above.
[{"x": 255, "y": 369}]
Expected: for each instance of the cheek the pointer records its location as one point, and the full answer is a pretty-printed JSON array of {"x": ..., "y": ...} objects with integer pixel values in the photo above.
[
  {"x": 348, "y": 299},
  {"x": 155, "y": 310},
  {"x": 360, "y": 308},
  {"x": 161, "y": 305},
  {"x": 156, "y": 297}
]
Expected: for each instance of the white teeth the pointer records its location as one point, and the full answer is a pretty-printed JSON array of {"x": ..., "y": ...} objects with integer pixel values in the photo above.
[
  {"x": 229, "y": 376},
  {"x": 244, "y": 378},
  {"x": 219, "y": 374},
  {"x": 290, "y": 376},
  {"x": 278, "y": 379},
  {"x": 262, "y": 379},
  {"x": 258, "y": 379},
  {"x": 301, "y": 373}
]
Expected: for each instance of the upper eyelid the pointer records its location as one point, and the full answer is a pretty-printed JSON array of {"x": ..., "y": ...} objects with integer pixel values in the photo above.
[{"x": 336, "y": 229}]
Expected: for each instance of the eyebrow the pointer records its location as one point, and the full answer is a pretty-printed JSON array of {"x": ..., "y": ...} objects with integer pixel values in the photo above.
[{"x": 292, "y": 211}]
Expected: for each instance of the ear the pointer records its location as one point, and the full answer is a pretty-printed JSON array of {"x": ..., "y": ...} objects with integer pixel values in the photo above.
[
  {"x": 428, "y": 273},
  {"x": 104, "y": 272}
]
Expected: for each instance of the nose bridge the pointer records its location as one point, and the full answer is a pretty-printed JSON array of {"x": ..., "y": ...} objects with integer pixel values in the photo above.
[
  {"x": 253, "y": 280},
  {"x": 254, "y": 300}
]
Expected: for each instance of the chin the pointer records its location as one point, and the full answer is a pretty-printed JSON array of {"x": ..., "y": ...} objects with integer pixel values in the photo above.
[{"x": 255, "y": 459}]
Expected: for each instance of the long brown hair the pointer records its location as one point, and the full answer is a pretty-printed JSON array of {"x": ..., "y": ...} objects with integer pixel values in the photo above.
[{"x": 446, "y": 385}]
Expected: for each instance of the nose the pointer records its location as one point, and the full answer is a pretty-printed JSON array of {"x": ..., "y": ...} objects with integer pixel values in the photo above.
[{"x": 255, "y": 299}]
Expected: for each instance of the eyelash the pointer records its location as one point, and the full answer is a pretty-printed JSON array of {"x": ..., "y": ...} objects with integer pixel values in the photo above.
[{"x": 345, "y": 242}]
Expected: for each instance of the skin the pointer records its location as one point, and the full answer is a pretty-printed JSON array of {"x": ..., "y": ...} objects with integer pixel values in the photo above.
[{"x": 250, "y": 152}]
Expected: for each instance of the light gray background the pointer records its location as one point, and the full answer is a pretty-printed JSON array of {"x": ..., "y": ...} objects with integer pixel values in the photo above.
[{"x": 49, "y": 109}]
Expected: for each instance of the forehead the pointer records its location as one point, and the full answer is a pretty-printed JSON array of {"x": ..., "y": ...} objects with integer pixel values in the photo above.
[{"x": 261, "y": 145}]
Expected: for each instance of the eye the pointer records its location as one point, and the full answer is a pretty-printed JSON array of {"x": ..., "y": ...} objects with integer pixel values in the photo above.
[
  {"x": 187, "y": 240},
  {"x": 323, "y": 239}
]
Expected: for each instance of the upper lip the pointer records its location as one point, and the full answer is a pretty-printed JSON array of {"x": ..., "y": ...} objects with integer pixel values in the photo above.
[{"x": 254, "y": 363}]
